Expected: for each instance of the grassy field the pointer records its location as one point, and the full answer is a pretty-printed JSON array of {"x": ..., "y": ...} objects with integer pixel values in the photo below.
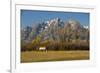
[{"x": 42, "y": 56}]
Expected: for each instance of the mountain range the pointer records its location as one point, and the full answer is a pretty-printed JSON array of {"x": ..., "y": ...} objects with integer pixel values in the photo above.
[{"x": 55, "y": 29}]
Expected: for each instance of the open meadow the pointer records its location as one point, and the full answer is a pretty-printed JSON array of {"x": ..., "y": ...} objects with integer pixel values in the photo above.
[{"x": 43, "y": 56}]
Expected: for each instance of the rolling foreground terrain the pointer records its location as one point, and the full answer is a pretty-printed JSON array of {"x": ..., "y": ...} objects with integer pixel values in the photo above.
[{"x": 42, "y": 56}]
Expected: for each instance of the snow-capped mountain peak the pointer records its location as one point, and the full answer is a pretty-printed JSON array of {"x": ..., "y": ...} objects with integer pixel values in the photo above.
[{"x": 86, "y": 27}]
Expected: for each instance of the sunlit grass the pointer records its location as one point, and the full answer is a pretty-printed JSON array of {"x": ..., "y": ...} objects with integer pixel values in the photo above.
[{"x": 42, "y": 56}]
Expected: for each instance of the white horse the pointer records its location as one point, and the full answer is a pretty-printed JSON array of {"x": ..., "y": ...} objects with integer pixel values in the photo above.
[{"x": 43, "y": 49}]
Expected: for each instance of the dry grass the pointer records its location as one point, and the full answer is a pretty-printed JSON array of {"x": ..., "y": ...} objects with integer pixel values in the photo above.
[{"x": 42, "y": 56}]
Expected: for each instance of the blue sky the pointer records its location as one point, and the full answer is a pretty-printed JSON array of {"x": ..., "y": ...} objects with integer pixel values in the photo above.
[{"x": 31, "y": 17}]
